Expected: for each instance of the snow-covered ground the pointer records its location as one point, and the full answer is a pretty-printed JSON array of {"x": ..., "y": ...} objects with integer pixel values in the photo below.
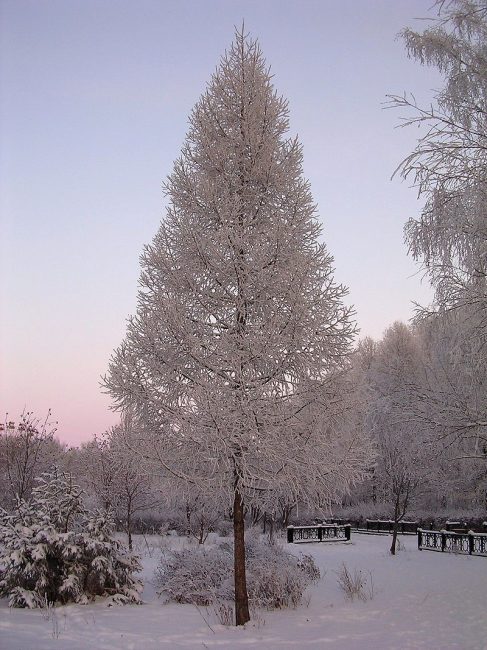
[{"x": 420, "y": 600}]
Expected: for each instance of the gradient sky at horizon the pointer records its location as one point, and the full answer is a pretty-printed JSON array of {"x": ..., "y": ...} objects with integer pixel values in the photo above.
[{"x": 94, "y": 102}]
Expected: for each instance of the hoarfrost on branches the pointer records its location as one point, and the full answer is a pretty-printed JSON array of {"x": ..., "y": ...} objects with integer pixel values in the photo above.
[
  {"x": 449, "y": 164},
  {"x": 234, "y": 365},
  {"x": 449, "y": 167},
  {"x": 202, "y": 576}
]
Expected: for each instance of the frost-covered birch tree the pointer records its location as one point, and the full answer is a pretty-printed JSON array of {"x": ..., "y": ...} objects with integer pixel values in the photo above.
[
  {"x": 232, "y": 365},
  {"x": 393, "y": 374},
  {"x": 449, "y": 163},
  {"x": 449, "y": 168},
  {"x": 454, "y": 406}
]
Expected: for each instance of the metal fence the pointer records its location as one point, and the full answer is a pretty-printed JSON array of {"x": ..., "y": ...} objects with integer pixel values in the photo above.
[
  {"x": 387, "y": 526},
  {"x": 448, "y": 542},
  {"x": 318, "y": 533}
]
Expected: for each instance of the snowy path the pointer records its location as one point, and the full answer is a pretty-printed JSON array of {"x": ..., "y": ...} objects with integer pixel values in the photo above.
[{"x": 421, "y": 600}]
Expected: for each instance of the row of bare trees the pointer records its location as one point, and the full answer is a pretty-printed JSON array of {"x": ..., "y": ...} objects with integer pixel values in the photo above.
[{"x": 115, "y": 475}]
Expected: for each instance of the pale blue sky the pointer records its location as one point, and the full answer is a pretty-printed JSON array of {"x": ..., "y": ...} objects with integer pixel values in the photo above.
[{"x": 95, "y": 96}]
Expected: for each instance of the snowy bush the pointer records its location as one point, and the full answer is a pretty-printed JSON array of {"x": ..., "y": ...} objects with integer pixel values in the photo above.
[
  {"x": 198, "y": 575},
  {"x": 225, "y": 613},
  {"x": 355, "y": 584},
  {"x": 275, "y": 578},
  {"x": 204, "y": 576},
  {"x": 54, "y": 551}
]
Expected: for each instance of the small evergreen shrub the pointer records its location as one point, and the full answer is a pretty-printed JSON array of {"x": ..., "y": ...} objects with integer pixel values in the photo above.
[{"x": 54, "y": 551}]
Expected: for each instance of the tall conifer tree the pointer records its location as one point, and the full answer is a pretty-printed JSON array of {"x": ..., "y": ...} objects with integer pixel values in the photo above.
[{"x": 233, "y": 363}]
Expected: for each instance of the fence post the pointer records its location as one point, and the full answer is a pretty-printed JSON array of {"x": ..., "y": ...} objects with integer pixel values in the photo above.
[
  {"x": 290, "y": 534},
  {"x": 443, "y": 541},
  {"x": 347, "y": 532},
  {"x": 420, "y": 539},
  {"x": 320, "y": 533}
]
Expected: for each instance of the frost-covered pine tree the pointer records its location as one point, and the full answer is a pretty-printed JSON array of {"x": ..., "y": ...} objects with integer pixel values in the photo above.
[
  {"x": 232, "y": 365},
  {"x": 54, "y": 551}
]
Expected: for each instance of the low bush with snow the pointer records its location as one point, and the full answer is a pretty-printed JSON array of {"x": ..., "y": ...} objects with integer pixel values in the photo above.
[
  {"x": 355, "y": 584},
  {"x": 204, "y": 576},
  {"x": 198, "y": 576},
  {"x": 54, "y": 551}
]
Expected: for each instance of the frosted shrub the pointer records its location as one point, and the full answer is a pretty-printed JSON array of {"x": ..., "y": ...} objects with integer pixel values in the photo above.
[
  {"x": 307, "y": 565},
  {"x": 198, "y": 576},
  {"x": 54, "y": 551},
  {"x": 275, "y": 579},
  {"x": 224, "y": 612},
  {"x": 355, "y": 584}
]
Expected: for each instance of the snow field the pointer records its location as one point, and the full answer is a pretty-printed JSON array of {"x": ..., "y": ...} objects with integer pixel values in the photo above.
[{"x": 420, "y": 599}]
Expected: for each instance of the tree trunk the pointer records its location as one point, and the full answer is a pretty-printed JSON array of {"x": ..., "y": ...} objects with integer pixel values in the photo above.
[
  {"x": 404, "y": 490},
  {"x": 202, "y": 537},
  {"x": 394, "y": 537},
  {"x": 129, "y": 520},
  {"x": 241, "y": 597},
  {"x": 188, "y": 520},
  {"x": 286, "y": 514},
  {"x": 395, "y": 527},
  {"x": 271, "y": 528}
]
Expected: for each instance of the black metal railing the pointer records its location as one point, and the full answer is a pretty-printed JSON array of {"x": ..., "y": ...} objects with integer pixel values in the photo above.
[
  {"x": 387, "y": 526},
  {"x": 318, "y": 533},
  {"x": 448, "y": 542}
]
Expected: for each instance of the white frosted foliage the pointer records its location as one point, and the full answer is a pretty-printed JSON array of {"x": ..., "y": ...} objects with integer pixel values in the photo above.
[
  {"x": 448, "y": 164},
  {"x": 234, "y": 360}
]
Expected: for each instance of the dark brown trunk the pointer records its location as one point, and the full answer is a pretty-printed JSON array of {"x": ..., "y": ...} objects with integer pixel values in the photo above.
[
  {"x": 396, "y": 523},
  {"x": 394, "y": 538},
  {"x": 286, "y": 514},
  {"x": 241, "y": 597},
  {"x": 188, "y": 520},
  {"x": 129, "y": 521},
  {"x": 403, "y": 489}
]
